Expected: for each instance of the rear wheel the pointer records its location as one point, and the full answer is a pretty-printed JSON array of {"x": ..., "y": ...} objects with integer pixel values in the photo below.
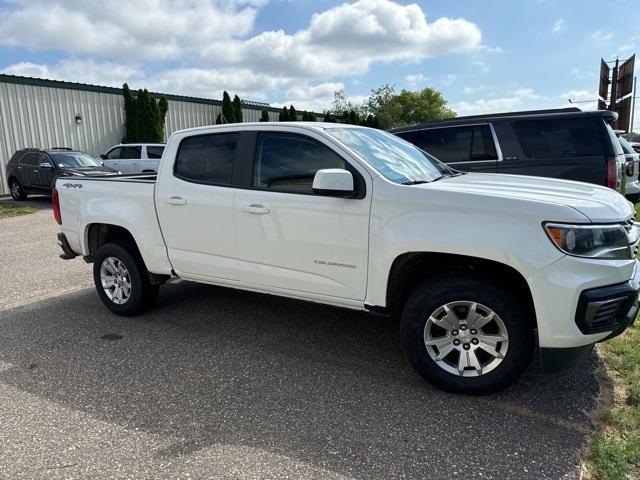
[
  {"x": 17, "y": 192},
  {"x": 467, "y": 335},
  {"x": 122, "y": 280}
]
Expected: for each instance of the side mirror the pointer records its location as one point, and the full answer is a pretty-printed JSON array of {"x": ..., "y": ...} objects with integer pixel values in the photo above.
[
  {"x": 103, "y": 156},
  {"x": 333, "y": 182},
  {"x": 45, "y": 165}
]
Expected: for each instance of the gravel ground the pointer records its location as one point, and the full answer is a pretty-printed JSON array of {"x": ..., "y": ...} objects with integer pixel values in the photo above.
[{"x": 223, "y": 384}]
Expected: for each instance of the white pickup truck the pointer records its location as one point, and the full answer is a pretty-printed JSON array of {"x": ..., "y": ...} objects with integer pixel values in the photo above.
[{"x": 481, "y": 268}]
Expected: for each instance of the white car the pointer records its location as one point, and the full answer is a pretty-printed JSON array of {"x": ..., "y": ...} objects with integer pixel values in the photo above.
[
  {"x": 481, "y": 268},
  {"x": 632, "y": 164},
  {"x": 128, "y": 158}
]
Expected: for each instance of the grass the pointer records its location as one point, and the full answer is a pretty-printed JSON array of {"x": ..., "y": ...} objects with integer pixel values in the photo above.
[
  {"x": 11, "y": 209},
  {"x": 614, "y": 449}
]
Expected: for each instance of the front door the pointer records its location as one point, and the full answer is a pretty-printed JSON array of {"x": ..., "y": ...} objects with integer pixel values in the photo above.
[
  {"x": 292, "y": 239},
  {"x": 195, "y": 204}
]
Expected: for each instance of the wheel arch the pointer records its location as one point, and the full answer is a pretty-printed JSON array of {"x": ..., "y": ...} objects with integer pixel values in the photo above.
[{"x": 409, "y": 269}]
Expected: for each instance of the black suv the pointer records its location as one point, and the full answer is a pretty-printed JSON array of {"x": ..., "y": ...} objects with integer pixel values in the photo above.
[
  {"x": 564, "y": 143},
  {"x": 32, "y": 170}
]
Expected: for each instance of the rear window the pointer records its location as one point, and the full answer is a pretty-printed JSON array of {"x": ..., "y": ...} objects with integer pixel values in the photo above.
[
  {"x": 455, "y": 144},
  {"x": 552, "y": 138},
  {"x": 207, "y": 158},
  {"x": 626, "y": 148},
  {"x": 154, "y": 152}
]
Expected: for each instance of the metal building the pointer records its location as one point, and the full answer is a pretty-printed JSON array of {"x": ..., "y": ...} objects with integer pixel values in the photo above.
[{"x": 49, "y": 113}]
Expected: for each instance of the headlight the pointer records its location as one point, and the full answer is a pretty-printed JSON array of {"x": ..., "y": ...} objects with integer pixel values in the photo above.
[{"x": 594, "y": 241}]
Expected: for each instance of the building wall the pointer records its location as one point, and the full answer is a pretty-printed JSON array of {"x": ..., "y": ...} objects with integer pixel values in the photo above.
[{"x": 43, "y": 115}]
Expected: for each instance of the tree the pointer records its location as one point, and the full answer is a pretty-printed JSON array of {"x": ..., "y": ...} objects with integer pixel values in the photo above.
[
  {"x": 376, "y": 103},
  {"x": 219, "y": 119},
  {"x": 408, "y": 108},
  {"x": 237, "y": 109},
  {"x": 228, "y": 113},
  {"x": 284, "y": 115},
  {"x": 341, "y": 103},
  {"x": 144, "y": 116},
  {"x": 329, "y": 118},
  {"x": 264, "y": 116},
  {"x": 353, "y": 118},
  {"x": 293, "y": 115}
]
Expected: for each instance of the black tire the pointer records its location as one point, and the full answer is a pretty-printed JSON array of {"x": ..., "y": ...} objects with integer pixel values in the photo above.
[
  {"x": 17, "y": 192},
  {"x": 142, "y": 294},
  {"x": 433, "y": 294},
  {"x": 633, "y": 197}
]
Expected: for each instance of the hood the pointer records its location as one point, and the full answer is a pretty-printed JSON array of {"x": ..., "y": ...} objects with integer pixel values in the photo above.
[
  {"x": 599, "y": 204},
  {"x": 92, "y": 171}
]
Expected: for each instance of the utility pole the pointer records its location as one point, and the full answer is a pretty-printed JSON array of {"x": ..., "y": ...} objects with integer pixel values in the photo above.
[
  {"x": 633, "y": 108},
  {"x": 614, "y": 88}
]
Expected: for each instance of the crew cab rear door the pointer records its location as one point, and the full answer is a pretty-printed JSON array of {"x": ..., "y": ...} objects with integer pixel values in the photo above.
[
  {"x": 195, "y": 201},
  {"x": 291, "y": 239}
]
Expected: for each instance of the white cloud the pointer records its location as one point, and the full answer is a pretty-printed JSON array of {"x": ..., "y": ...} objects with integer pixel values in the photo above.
[
  {"x": 201, "y": 47},
  {"x": 416, "y": 79},
  {"x": 89, "y": 71},
  {"x": 448, "y": 79},
  {"x": 493, "y": 105},
  {"x": 599, "y": 35},
  {"x": 559, "y": 26},
  {"x": 482, "y": 66},
  {"x": 142, "y": 29},
  {"x": 312, "y": 97},
  {"x": 471, "y": 90},
  {"x": 348, "y": 39}
]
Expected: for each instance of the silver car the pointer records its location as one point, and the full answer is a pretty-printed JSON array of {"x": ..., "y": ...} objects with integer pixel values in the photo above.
[{"x": 130, "y": 158}]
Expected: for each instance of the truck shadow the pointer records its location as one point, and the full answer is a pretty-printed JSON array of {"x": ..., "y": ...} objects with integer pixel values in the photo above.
[{"x": 320, "y": 385}]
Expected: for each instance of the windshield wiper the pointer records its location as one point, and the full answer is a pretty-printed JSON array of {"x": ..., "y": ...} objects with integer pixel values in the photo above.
[{"x": 415, "y": 182}]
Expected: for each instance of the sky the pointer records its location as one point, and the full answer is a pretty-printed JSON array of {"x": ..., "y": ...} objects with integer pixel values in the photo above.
[{"x": 485, "y": 56}]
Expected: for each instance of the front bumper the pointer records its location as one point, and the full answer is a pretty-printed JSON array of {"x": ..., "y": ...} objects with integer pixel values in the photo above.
[
  {"x": 601, "y": 305},
  {"x": 574, "y": 283}
]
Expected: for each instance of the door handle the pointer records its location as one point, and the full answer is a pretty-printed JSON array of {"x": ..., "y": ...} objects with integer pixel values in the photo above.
[
  {"x": 176, "y": 200},
  {"x": 255, "y": 208},
  {"x": 37, "y": 171}
]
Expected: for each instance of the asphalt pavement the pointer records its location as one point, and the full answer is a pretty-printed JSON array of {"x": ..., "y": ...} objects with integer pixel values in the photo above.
[{"x": 222, "y": 384}]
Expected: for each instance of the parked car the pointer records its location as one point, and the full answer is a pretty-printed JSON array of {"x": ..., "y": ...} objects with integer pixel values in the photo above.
[
  {"x": 134, "y": 157},
  {"x": 480, "y": 268},
  {"x": 563, "y": 143},
  {"x": 632, "y": 160},
  {"x": 33, "y": 170},
  {"x": 635, "y": 146}
]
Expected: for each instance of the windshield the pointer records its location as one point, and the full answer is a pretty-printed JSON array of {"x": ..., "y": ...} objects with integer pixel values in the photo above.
[
  {"x": 74, "y": 160},
  {"x": 396, "y": 159}
]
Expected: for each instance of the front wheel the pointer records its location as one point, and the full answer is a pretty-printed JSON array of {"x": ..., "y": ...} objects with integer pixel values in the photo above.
[
  {"x": 122, "y": 280},
  {"x": 467, "y": 335}
]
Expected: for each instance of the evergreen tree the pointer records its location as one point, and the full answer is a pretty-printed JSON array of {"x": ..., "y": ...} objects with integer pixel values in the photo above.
[
  {"x": 293, "y": 115},
  {"x": 264, "y": 116},
  {"x": 329, "y": 118},
  {"x": 353, "y": 118},
  {"x": 312, "y": 117},
  {"x": 237, "y": 109},
  {"x": 130, "y": 119},
  {"x": 228, "y": 113},
  {"x": 284, "y": 115},
  {"x": 219, "y": 119}
]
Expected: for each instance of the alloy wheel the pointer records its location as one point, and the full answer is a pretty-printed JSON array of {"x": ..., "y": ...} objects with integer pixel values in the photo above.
[
  {"x": 466, "y": 338},
  {"x": 115, "y": 279}
]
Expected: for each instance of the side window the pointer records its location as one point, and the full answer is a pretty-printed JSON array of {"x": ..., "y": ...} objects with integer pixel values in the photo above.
[
  {"x": 114, "y": 154},
  {"x": 30, "y": 159},
  {"x": 570, "y": 137},
  {"x": 456, "y": 144},
  {"x": 154, "y": 152},
  {"x": 207, "y": 158},
  {"x": 42, "y": 158},
  {"x": 131, "y": 153},
  {"x": 288, "y": 163}
]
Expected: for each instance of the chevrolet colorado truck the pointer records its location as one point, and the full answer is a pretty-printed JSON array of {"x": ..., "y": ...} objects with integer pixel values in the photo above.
[{"x": 484, "y": 270}]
